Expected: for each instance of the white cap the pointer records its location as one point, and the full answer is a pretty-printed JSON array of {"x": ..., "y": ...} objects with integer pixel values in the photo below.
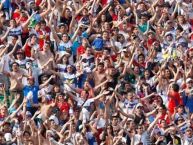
[
  {"x": 55, "y": 119},
  {"x": 168, "y": 33},
  {"x": 139, "y": 105},
  {"x": 8, "y": 136},
  {"x": 188, "y": 80},
  {"x": 101, "y": 123},
  {"x": 2, "y": 46}
]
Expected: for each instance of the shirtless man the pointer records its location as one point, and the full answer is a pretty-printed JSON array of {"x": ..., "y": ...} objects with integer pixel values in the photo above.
[
  {"x": 15, "y": 76},
  {"x": 44, "y": 58},
  {"x": 99, "y": 74}
]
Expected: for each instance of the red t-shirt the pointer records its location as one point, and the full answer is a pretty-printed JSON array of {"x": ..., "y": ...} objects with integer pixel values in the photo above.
[
  {"x": 16, "y": 15},
  {"x": 64, "y": 106},
  {"x": 38, "y": 2},
  {"x": 27, "y": 51},
  {"x": 81, "y": 50},
  {"x": 150, "y": 42},
  {"x": 104, "y": 2},
  {"x": 114, "y": 17},
  {"x": 174, "y": 101}
]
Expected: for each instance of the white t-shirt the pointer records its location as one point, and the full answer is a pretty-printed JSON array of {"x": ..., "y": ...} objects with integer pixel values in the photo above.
[
  {"x": 62, "y": 46},
  {"x": 15, "y": 32},
  {"x": 144, "y": 138},
  {"x": 7, "y": 59}
]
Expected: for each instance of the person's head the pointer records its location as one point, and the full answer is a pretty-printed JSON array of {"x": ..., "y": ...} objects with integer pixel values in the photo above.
[
  {"x": 139, "y": 129},
  {"x": 136, "y": 69},
  {"x": 67, "y": 13},
  {"x": 151, "y": 35},
  {"x": 31, "y": 142},
  {"x": 37, "y": 26},
  {"x": 3, "y": 110},
  {"x": 121, "y": 38},
  {"x": 115, "y": 32},
  {"x": 65, "y": 38},
  {"x": 189, "y": 83},
  {"x": 69, "y": 69},
  {"x": 180, "y": 109},
  {"x": 15, "y": 66},
  {"x": 181, "y": 19},
  {"x": 26, "y": 135},
  {"x": 33, "y": 39},
  {"x": 64, "y": 115},
  {"x": 103, "y": 17},
  {"x": 163, "y": 123},
  {"x": 62, "y": 28},
  {"x": 20, "y": 55},
  {"x": 1, "y": 138},
  {"x": 105, "y": 35},
  {"x": 180, "y": 120},
  {"x": 56, "y": 88},
  {"x": 139, "y": 108},
  {"x": 30, "y": 80},
  {"x": 147, "y": 73},
  {"x": 157, "y": 101},
  {"x": 60, "y": 97},
  {"x": 112, "y": 71},
  {"x": 88, "y": 51},
  {"x": 189, "y": 132},
  {"x": 130, "y": 96},
  {"x": 141, "y": 6},
  {"x": 77, "y": 112},
  {"x": 85, "y": 12},
  {"x": 175, "y": 87},
  {"x": 12, "y": 23},
  {"x": 46, "y": 46},
  {"x": 107, "y": 27},
  {"x": 14, "y": 39},
  {"x": 130, "y": 124},
  {"x": 141, "y": 58},
  {"x": 100, "y": 67},
  {"x": 143, "y": 19},
  {"x": 179, "y": 29},
  {"x": 169, "y": 37},
  {"x": 125, "y": 28},
  {"x": 169, "y": 25},
  {"x": 115, "y": 120},
  {"x": 109, "y": 130},
  {"x": 43, "y": 24},
  {"x": 84, "y": 94},
  {"x": 6, "y": 127},
  {"x": 167, "y": 73}
]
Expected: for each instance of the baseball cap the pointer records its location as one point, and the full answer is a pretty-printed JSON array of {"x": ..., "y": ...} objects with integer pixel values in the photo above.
[
  {"x": 139, "y": 105},
  {"x": 55, "y": 119},
  {"x": 189, "y": 80},
  {"x": 8, "y": 136}
]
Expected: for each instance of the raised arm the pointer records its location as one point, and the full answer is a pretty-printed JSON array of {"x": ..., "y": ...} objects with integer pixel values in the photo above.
[
  {"x": 153, "y": 123},
  {"x": 14, "y": 48},
  {"x": 43, "y": 14},
  {"x": 5, "y": 35},
  {"x": 46, "y": 83}
]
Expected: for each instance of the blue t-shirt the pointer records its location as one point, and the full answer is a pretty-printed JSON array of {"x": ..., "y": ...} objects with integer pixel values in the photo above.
[
  {"x": 6, "y": 4},
  {"x": 98, "y": 44},
  {"x": 122, "y": 1},
  {"x": 188, "y": 101},
  {"x": 81, "y": 80},
  {"x": 34, "y": 90}
]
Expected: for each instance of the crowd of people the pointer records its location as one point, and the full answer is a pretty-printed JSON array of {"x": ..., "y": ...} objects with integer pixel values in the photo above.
[{"x": 96, "y": 72}]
